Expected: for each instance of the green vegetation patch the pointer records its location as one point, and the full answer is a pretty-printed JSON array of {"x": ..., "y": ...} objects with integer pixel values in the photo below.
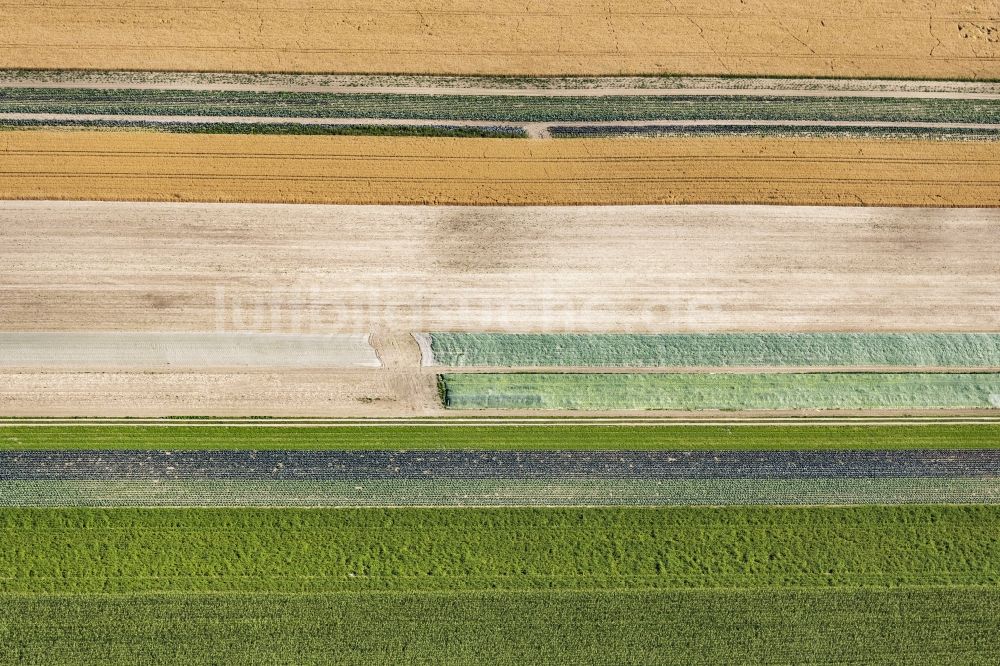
[
  {"x": 496, "y": 627},
  {"x": 821, "y": 390},
  {"x": 323, "y": 550},
  {"x": 501, "y": 437},
  {"x": 492, "y": 107},
  {"x": 718, "y": 349}
]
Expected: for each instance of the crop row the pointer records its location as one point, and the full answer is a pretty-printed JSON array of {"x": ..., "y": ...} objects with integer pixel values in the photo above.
[
  {"x": 496, "y": 108},
  {"x": 717, "y": 349},
  {"x": 550, "y": 466},
  {"x": 722, "y": 391}
]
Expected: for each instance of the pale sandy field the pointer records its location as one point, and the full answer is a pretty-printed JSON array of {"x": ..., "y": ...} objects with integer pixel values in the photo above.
[
  {"x": 160, "y": 267},
  {"x": 861, "y": 38},
  {"x": 387, "y": 170}
]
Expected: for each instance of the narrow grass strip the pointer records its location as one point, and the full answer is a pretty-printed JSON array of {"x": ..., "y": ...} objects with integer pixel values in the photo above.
[{"x": 526, "y": 437}]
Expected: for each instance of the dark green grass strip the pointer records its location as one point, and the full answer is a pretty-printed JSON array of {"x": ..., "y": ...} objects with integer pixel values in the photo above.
[
  {"x": 571, "y": 437},
  {"x": 289, "y": 128},
  {"x": 488, "y": 107},
  {"x": 329, "y": 550},
  {"x": 919, "y": 626}
]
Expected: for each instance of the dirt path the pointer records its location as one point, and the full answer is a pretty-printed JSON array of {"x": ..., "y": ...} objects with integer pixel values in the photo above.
[{"x": 533, "y": 130}]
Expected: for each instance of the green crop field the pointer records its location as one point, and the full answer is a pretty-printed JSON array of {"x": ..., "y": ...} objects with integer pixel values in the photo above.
[
  {"x": 731, "y": 585},
  {"x": 501, "y": 437},
  {"x": 322, "y": 550},
  {"x": 717, "y": 350},
  {"x": 710, "y": 627},
  {"x": 819, "y": 390}
]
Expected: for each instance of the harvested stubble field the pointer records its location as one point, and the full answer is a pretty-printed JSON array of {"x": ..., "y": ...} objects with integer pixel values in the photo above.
[
  {"x": 864, "y": 39},
  {"x": 599, "y": 585},
  {"x": 384, "y": 170}
]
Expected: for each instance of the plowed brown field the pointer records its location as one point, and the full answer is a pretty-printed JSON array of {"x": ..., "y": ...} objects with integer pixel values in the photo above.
[
  {"x": 868, "y": 38},
  {"x": 383, "y": 170}
]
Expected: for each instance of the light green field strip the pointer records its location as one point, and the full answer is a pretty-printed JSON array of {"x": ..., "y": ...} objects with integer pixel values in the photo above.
[
  {"x": 717, "y": 350},
  {"x": 721, "y": 391},
  {"x": 188, "y": 435},
  {"x": 116, "y": 349},
  {"x": 943, "y": 626},
  {"x": 327, "y": 550},
  {"x": 506, "y": 492}
]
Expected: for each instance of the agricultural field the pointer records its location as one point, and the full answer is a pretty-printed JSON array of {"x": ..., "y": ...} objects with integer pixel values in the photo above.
[
  {"x": 721, "y": 391},
  {"x": 506, "y": 108},
  {"x": 149, "y": 166},
  {"x": 812, "y": 583},
  {"x": 138, "y": 349},
  {"x": 506, "y": 627},
  {"x": 716, "y": 350},
  {"x": 865, "y": 39},
  {"x": 521, "y": 333}
]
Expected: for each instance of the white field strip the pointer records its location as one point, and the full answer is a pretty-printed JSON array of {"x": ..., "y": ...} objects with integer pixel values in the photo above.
[
  {"x": 499, "y": 86},
  {"x": 149, "y": 350}
]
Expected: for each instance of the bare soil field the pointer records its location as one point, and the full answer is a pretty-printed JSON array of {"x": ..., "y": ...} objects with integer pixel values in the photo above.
[
  {"x": 86, "y": 266},
  {"x": 162, "y": 267},
  {"x": 389, "y": 170},
  {"x": 861, "y": 38},
  {"x": 114, "y": 392}
]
